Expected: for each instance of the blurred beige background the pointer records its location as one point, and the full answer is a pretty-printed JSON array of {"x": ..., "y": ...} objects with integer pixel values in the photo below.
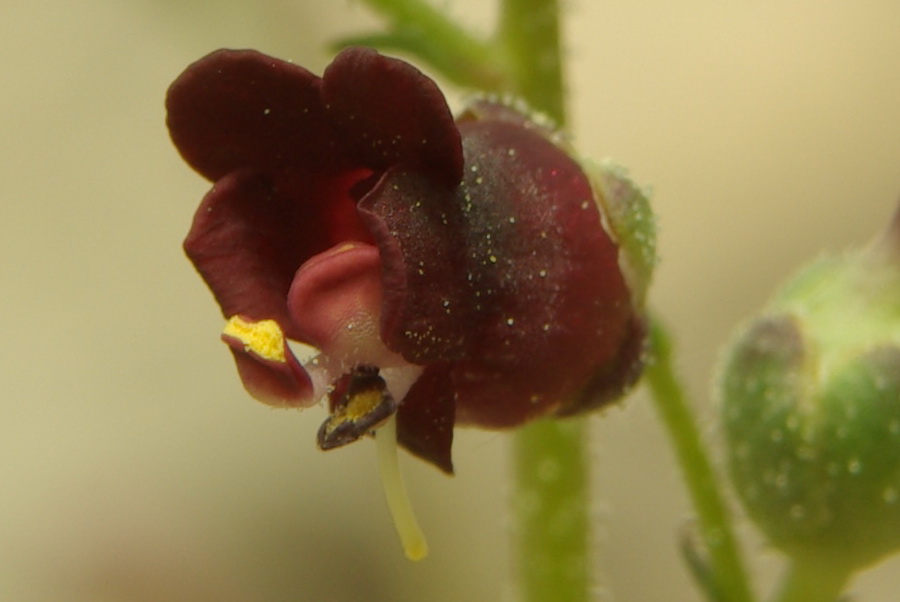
[{"x": 132, "y": 465}]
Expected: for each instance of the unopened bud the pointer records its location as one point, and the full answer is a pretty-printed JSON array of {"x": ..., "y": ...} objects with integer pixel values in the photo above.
[{"x": 810, "y": 395}]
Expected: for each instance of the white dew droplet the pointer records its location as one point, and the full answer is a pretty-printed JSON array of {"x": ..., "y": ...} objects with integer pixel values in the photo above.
[
  {"x": 890, "y": 495},
  {"x": 854, "y": 466},
  {"x": 781, "y": 481},
  {"x": 792, "y": 423}
]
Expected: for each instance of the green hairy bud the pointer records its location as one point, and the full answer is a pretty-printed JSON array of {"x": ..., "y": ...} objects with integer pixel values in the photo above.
[{"x": 810, "y": 396}]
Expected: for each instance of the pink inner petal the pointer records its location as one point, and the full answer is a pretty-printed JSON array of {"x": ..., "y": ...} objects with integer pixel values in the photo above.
[{"x": 335, "y": 305}]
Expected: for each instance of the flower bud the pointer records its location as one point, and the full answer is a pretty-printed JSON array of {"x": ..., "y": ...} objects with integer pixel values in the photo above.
[{"x": 810, "y": 395}]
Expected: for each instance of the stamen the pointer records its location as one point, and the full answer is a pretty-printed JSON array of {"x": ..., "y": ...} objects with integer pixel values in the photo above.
[
  {"x": 411, "y": 536},
  {"x": 264, "y": 338},
  {"x": 359, "y": 403}
]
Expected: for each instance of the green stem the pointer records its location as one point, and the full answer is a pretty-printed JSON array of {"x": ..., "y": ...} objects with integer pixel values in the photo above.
[
  {"x": 422, "y": 15},
  {"x": 812, "y": 581},
  {"x": 551, "y": 503},
  {"x": 529, "y": 34},
  {"x": 729, "y": 580},
  {"x": 550, "y": 510},
  {"x": 416, "y": 26}
]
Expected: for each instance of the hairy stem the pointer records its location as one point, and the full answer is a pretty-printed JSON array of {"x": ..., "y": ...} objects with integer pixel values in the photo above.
[
  {"x": 551, "y": 501},
  {"x": 529, "y": 35},
  {"x": 418, "y": 27},
  {"x": 811, "y": 581},
  {"x": 725, "y": 569},
  {"x": 550, "y": 510}
]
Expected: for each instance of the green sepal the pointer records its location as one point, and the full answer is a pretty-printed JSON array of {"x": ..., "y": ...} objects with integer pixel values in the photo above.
[{"x": 626, "y": 209}]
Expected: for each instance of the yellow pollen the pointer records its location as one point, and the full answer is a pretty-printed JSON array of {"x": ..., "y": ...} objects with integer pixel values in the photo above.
[
  {"x": 362, "y": 404},
  {"x": 264, "y": 338}
]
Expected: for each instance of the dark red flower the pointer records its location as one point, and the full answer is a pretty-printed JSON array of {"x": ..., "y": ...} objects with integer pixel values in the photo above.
[{"x": 453, "y": 272}]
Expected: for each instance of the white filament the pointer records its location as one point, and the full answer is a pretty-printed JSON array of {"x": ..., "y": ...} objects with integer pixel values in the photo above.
[{"x": 411, "y": 536}]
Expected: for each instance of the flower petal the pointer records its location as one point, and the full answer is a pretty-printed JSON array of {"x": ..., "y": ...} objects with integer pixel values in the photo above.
[
  {"x": 238, "y": 108},
  {"x": 514, "y": 279},
  {"x": 614, "y": 378},
  {"x": 426, "y": 417},
  {"x": 251, "y": 233},
  {"x": 388, "y": 112},
  {"x": 553, "y": 306},
  {"x": 418, "y": 229},
  {"x": 239, "y": 245}
]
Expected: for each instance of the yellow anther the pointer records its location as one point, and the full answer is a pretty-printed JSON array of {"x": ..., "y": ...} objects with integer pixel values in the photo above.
[
  {"x": 363, "y": 404},
  {"x": 264, "y": 338}
]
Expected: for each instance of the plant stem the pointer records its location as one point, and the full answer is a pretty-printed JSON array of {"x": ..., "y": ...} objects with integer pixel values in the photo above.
[
  {"x": 417, "y": 26},
  {"x": 422, "y": 15},
  {"x": 551, "y": 504},
  {"x": 550, "y": 510},
  {"x": 529, "y": 34},
  {"x": 811, "y": 581},
  {"x": 714, "y": 521}
]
